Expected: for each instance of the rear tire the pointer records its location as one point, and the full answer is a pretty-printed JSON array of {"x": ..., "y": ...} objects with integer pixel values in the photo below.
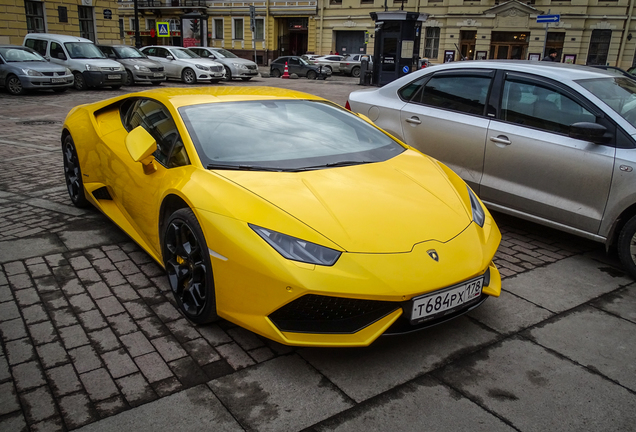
[
  {"x": 275, "y": 73},
  {"x": 355, "y": 72},
  {"x": 627, "y": 246},
  {"x": 73, "y": 174},
  {"x": 187, "y": 261}
]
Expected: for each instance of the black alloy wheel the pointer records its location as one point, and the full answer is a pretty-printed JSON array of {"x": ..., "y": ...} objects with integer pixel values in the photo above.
[
  {"x": 130, "y": 80},
  {"x": 14, "y": 85},
  {"x": 627, "y": 246},
  {"x": 228, "y": 74},
  {"x": 79, "y": 83},
  {"x": 187, "y": 262},
  {"x": 73, "y": 174}
]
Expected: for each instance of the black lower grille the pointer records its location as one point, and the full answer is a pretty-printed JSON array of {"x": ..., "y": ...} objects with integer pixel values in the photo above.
[
  {"x": 102, "y": 193},
  {"x": 321, "y": 314}
]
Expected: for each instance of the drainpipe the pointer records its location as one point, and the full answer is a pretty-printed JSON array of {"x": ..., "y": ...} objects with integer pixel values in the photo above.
[
  {"x": 322, "y": 15},
  {"x": 628, "y": 23},
  {"x": 266, "y": 34}
]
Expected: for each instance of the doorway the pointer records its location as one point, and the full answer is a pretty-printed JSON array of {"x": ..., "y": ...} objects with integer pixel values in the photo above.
[{"x": 509, "y": 45}]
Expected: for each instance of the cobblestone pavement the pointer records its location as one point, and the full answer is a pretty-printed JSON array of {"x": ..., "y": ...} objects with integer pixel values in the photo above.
[{"x": 88, "y": 325}]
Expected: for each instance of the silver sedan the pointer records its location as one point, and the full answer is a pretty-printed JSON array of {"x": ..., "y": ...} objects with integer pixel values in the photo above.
[
  {"x": 551, "y": 143},
  {"x": 23, "y": 69}
]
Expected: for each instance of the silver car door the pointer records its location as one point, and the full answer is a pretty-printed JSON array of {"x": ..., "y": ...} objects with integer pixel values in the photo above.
[
  {"x": 173, "y": 67},
  {"x": 445, "y": 117},
  {"x": 533, "y": 167}
]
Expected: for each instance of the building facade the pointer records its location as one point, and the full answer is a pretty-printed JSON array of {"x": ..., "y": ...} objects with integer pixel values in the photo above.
[{"x": 588, "y": 31}]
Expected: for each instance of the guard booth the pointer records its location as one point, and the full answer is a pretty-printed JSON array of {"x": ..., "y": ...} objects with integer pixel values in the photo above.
[{"x": 397, "y": 44}]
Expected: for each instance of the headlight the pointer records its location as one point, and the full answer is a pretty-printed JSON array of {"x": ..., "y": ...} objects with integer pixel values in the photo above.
[
  {"x": 90, "y": 67},
  {"x": 141, "y": 68},
  {"x": 239, "y": 65},
  {"x": 479, "y": 215},
  {"x": 296, "y": 249},
  {"x": 205, "y": 68},
  {"x": 31, "y": 72},
  {"x": 68, "y": 72}
]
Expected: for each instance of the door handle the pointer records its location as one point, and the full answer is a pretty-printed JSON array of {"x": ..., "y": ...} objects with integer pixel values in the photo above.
[
  {"x": 501, "y": 139},
  {"x": 413, "y": 120}
]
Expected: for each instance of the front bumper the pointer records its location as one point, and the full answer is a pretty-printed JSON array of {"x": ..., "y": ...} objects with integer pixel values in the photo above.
[
  {"x": 254, "y": 284},
  {"x": 104, "y": 78},
  {"x": 148, "y": 77},
  {"x": 46, "y": 82}
]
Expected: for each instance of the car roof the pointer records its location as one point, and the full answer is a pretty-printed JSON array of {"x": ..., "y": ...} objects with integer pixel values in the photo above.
[
  {"x": 184, "y": 96},
  {"x": 56, "y": 37}
]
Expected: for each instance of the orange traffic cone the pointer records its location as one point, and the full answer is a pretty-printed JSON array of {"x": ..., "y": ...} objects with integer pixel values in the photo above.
[{"x": 286, "y": 72}]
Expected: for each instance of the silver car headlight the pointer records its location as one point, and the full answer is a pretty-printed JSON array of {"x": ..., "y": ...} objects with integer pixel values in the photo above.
[
  {"x": 239, "y": 65},
  {"x": 479, "y": 215},
  {"x": 90, "y": 67},
  {"x": 296, "y": 249},
  {"x": 205, "y": 68},
  {"x": 68, "y": 72},
  {"x": 141, "y": 68},
  {"x": 31, "y": 72}
]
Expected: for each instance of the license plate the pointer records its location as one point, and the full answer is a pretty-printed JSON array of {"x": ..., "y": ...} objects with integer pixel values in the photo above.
[
  {"x": 157, "y": 75},
  {"x": 113, "y": 77},
  {"x": 447, "y": 300},
  {"x": 58, "y": 80}
]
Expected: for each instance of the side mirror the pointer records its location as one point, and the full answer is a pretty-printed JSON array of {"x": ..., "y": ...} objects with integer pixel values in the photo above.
[
  {"x": 587, "y": 131},
  {"x": 169, "y": 57},
  {"x": 141, "y": 145}
]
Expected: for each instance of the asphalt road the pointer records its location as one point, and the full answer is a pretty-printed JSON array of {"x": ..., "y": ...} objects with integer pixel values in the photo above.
[{"x": 91, "y": 339}]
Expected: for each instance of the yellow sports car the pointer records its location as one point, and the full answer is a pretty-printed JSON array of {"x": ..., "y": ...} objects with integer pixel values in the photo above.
[{"x": 283, "y": 212}]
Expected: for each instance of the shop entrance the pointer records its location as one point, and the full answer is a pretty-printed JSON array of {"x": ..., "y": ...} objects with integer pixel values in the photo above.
[
  {"x": 509, "y": 46},
  {"x": 294, "y": 36}
]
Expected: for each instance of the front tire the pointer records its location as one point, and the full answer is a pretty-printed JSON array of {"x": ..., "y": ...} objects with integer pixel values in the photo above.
[
  {"x": 14, "y": 85},
  {"x": 188, "y": 76},
  {"x": 627, "y": 246},
  {"x": 130, "y": 79},
  {"x": 311, "y": 75},
  {"x": 80, "y": 83},
  {"x": 228, "y": 74},
  {"x": 187, "y": 262},
  {"x": 73, "y": 174}
]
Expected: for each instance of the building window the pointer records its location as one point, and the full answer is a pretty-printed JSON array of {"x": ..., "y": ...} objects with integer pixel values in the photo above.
[
  {"x": 237, "y": 29},
  {"x": 259, "y": 32},
  {"x": 133, "y": 27},
  {"x": 34, "y": 16},
  {"x": 599, "y": 47},
  {"x": 151, "y": 23},
  {"x": 121, "y": 28},
  {"x": 555, "y": 41},
  {"x": 366, "y": 2},
  {"x": 218, "y": 29},
  {"x": 431, "y": 42},
  {"x": 86, "y": 23},
  {"x": 175, "y": 24}
]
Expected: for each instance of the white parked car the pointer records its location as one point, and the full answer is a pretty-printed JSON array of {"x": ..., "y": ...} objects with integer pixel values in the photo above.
[
  {"x": 184, "y": 65},
  {"x": 90, "y": 67},
  {"x": 331, "y": 62},
  {"x": 235, "y": 66}
]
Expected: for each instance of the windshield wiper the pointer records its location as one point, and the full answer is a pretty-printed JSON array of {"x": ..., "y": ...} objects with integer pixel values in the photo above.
[
  {"x": 213, "y": 166},
  {"x": 336, "y": 164}
]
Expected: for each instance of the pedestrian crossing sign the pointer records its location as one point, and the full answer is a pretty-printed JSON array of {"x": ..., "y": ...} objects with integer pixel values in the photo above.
[{"x": 163, "y": 29}]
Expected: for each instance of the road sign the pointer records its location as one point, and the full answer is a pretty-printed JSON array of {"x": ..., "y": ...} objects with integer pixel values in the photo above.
[
  {"x": 548, "y": 18},
  {"x": 253, "y": 17},
  {"x": 163, "y": 29}
]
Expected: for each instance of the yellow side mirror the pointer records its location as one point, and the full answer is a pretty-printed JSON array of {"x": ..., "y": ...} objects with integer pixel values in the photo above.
[{"x": 141, "y": 146}]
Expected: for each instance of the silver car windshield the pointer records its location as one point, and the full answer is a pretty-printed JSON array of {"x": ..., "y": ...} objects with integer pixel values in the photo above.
[
  {"x": 11, "y": 54},
  {"x": 618, "y": 93},
  {"x": 283, "y": 135},
  {"x": 184, "y": 54},
  {"x": 128, "y": 52},
  {"x": 83, "y": 50},
  {"x": 225, "y": 53}
]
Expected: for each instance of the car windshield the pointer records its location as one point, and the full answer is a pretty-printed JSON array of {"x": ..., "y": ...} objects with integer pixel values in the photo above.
[
  {"x": 225, "y": 53},
  {"x": 184, "y": 54},
  {"x": 619, "y": 93},
  {"x": 83, "y": 50},
  {"x": 11, "y": 54},
  {"x": 128, "y": 52},
  {"x": 283, "y": 135}
]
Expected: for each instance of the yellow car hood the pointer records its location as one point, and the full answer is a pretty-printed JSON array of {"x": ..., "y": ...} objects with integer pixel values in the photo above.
[{"x": 384, "y": 207}]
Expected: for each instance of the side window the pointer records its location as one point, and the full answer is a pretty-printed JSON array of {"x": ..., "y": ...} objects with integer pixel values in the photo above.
[
  {"x": 150, "y": 52},
  {"x": 542, "y": 107},
  {"x": 57, "y": 51},
  {"x": 463, "y": 93},
  {"x": 108, "y": 51},
  {"x": 162, "y": 52},
  {"x": 38, "y": 45},
  {"x": 294, "y": 61},
  {"x": 156, "y": 119}
]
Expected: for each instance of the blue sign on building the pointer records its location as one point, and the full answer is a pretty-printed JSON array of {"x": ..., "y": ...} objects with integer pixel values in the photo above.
[{"x": 548, "y": 18}]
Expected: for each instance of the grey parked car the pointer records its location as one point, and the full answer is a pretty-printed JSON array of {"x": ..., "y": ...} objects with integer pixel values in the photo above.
[
  {"x": 549, "y": 142},
  {"x": 235, "y": 66},
  {"x": 350, "y": 65},
  {"x": 139, "y": 68},
  {"x": 23, "y": 69}
]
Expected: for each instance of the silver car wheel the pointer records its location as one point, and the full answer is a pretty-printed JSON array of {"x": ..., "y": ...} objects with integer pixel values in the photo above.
[
  {"x": 188, "y": 76},
  {"x": 14, "y": 85}
]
